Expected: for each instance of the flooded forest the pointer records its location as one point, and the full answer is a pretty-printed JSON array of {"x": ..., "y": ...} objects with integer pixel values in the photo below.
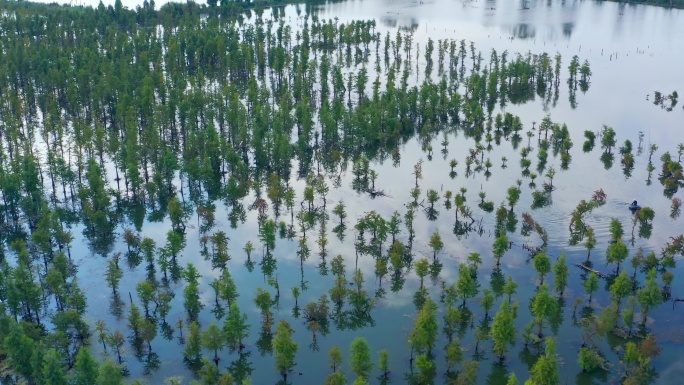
[{"x": 324, "y": 193}]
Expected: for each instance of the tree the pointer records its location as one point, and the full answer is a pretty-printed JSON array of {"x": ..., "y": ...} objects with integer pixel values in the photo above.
[
  {"x": 384, "y": 363},
  {"x": 147, "y": 332},
  {"x": 422, "y": 269},
  {"x": 542, "y": 265},
  {"x": 512, "y": 379},
  {"x": 135, "y": 320},
  {"x": 436, "y": 244},
  {"x": 235, "y": 327},
  {"x": 649, "y": 296},
  {"x": 116, "y": 340},
  {"x": 110, "y": 374},
  {"x": 85, "y": 369},
  {"x": 466, "y": 285},
  {"x": 212, "y": 339},
  {"x": 336, "y": 378},
  {"x": 590, "y": 242},
  {"x": 513, "y": 195},
  {"x": 113, "y": 274},
  {"x": 209, "y": 373},
  {"x": 285, "y": 348},
  {"x": 426, "y": 330},
  {"x": 621, "y": 287},
  {"x": 339, "y": 210},
  {"x": 503, "y": 330},
  {"x": 499, "y": 247},
  {"x": 560, "y": 274},
  {"x": 193, "y": 345},
  {"x": 267, "y": 235},
  {"x": 335, "y": 358},
  {"x": 617, "y": 252},
  {"x": 360, "y": 358},
  {"x": 53, "y": 369},
  {"x": 145, "y": 291},
  {"x": 591, "y": 285},
  {"x": 510, "y": 288},
  {"x": 545, "y": 370},
  {"x": 589, "y": 359},
  {"x": 453, "y": 353},
  {"x": 544, "y": 307},
  {"x": 426, "y": 369},
  {"x": 608, "y": 139}
]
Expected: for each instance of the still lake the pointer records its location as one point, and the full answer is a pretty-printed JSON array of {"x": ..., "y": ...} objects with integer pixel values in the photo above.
[{"x": 633, "y": 51}]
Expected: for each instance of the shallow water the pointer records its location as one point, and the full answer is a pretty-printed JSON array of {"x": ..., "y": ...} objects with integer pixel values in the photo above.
[{"x": 633, "y": 50}]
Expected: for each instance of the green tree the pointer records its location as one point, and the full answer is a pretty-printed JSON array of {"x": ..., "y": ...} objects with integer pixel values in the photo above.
[
  {"x": 545, "y": 370},
  {"x": 135, "y": 320},
  {"x": 542, "y": 264},
  {"x": 503, "y": 330},
  {"x": 589, "y": 359},
  {"x": 426, "y": 329},
  {"x": 617, "y": 252},
  {"x": 335, "y": 358},
  {"x": 193, "y": 345},
  {"x": 560, "y": 275},
  {"x": 650, "y": 295},
  {"x": 146, "y": 292},
  {"x": 113, "y": 274},
  {"x": 513, "y": 195},
  {"x": 148, "y": 332},
  {"x": 512, "y": 379},
  {"x": 426, "y": 369},
  {"x": 436, "y": 244},
  {"x": 110, "y": 374},
  {"x": 453, "y": 354},
  {"x": 466, "y": 285},
  {"x": 336, "y": 378},
  {"x": 591, "y": 285},
  {"x": 500, "y": 247},
  {"x": 544, "y": 306},
  {"x": 510, "y": 288},
  {"x": 360, "y": 357},
  {"x": 621, "y": 287},
  {"x": 235, "y": 327},
  {"x": 285, "y": 348},
  {"x": 85, "y": 369},
  {"x": 384, "y": 363},
  {"x": 422, "y": 269},
  {"x": 213, "y": 339},
  {"x": 53, "y": 369},
  {"x": 590, "y": 242}
]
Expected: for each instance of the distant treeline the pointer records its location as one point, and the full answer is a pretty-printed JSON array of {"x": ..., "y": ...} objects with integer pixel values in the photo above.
[{"x": 659, "y": 3}]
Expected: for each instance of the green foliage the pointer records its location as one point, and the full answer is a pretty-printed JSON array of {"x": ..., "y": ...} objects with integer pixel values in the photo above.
[
  {"x": 335, "y": 358},
  {"x": 213, "y": 339},
  {"x": 545, "y": 370},
  {"x": 193, "y": 345},
  {"x": 649, "y": 296},
  {"x": 360, "y": 358},
  {"x": 503, "y": 330},
  {"x": 110, "y": 374},
  {"x": 466, "y": 285},
  {"x": 590, "y": 360},
  {"x": 426, "y": 329},
  {"x": 285, "y": 348},
  {"x": 542, "y": 264},
  {"x": 235, "y": 327},
  {"x": 591, "y": 284},
  {"x": 85, "y": 369},
  {"x": 560, "y": 275}
]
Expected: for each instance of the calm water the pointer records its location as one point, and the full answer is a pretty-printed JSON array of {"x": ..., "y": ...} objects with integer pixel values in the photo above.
[{"x": 633, "y": 50}]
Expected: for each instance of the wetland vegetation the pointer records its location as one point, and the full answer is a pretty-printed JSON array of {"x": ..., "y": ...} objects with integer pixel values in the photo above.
[{"x": 275, "y": 196}]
